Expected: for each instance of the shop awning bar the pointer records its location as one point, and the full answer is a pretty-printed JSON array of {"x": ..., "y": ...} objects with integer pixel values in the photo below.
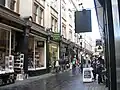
[{"x": 6, "y": 27}]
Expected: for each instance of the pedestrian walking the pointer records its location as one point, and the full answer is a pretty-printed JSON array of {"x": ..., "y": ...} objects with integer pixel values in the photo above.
[
  {"x": 74, "y": 65},
  {"x": 101, "y": 61},
  {"x": 94, "y": 66},
  {"x": 57, "y": 66},
  {"x": 99, "y": 72}
]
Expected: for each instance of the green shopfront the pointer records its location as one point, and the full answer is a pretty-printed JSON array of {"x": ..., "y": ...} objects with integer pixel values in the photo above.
[{"x": 53, "y": 50}]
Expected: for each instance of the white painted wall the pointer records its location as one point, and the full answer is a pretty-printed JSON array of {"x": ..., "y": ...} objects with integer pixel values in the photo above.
[{"x": 26, "y": 8}]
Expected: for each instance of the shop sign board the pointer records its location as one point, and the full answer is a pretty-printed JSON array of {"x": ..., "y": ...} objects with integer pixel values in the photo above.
[
  {"x": 87, "y": 75},
  {"x": 56, "y": 36}
]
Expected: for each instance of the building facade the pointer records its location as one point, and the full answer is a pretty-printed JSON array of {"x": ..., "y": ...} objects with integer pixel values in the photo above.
[{"x": 30, "y": 31}]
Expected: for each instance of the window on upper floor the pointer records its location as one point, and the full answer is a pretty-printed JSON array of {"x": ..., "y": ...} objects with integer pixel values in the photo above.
[
  {"x": 70, "y": 19},
  {"x": 70, "y": 34},
  {"x": 54, "y": 24},
  {"x": 38, "y": 14},
  {"x": 13, "y": 5},
  {"x": 55, "y": 29},
  {"x": 63, "y": 10},
  {"x": 54, "y": 4},
  {"x": 35, "y": 14},
  {"x": 64, "y": 30}
]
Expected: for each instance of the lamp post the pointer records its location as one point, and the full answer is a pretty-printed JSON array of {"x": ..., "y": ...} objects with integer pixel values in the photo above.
[
  {"x": 60, "y": 20},
  {"x": 60, "y": 27}
]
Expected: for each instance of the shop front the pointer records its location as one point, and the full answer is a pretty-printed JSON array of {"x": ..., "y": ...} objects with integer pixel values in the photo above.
[
  {"x": 64, "y": 53},
  {"x": 8, "y": 49},
  {"x": 37, "y": 55},
  {"x": 53, "y": 53}
]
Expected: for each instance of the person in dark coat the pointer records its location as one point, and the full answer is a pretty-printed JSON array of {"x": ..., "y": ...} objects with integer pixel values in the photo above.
[
  {"x": 94, "y": 66},
  {"x": 102, "y": 62},
  {"x": 99, "y": 72}
]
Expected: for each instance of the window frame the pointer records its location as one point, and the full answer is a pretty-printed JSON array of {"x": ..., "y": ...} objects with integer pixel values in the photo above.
[{"x": 38, "y": 14}]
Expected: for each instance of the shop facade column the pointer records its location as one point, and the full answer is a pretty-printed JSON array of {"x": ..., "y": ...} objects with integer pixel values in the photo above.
[
  {"x": 25, "y": 48},
  {"x": 25, "y": 44}
]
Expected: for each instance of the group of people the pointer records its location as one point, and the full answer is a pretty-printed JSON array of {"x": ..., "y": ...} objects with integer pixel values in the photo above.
[
  {"x": 61, "y": 65},
  {"x": 98, "y": 66}
]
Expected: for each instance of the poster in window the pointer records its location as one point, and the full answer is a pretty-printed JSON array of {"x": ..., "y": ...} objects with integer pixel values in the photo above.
[{"x": 40, "y": 43}]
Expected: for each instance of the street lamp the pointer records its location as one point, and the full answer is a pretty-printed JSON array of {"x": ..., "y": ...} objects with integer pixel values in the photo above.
[{"x": 49, "y": 31}]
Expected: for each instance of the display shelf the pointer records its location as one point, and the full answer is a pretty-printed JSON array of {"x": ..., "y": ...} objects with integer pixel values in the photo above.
[{"x": 18, "y": 64}]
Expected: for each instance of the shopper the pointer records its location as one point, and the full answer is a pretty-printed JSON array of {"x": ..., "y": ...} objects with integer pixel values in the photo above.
[
  {"x": 94, "y": 66},
  {"x": 74, "y": 64},
  {"x": 99, "y": 72}
]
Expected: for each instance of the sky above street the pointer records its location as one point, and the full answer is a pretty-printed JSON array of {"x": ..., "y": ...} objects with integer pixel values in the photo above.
[{"x": 89, "y": 4}]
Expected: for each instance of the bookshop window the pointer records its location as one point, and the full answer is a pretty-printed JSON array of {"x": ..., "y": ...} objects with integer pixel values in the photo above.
[
  {"x": 39, "y": 54},
  {"x": 4, "y": 47},
  {"x": 31, "y": 52}
]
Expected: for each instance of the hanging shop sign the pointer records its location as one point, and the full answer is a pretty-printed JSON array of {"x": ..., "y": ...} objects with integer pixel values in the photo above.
[
  {"x": 40, "y": 43},
  {"x": 83, "y": 21},
  {"x": 56, "y": 36}
]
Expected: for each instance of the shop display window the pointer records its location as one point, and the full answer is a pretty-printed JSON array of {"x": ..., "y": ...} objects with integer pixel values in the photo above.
[
  {"x": 39, "y": 54},
  {"x": 4, "y": 47},
  {"x": 53, "y": 48},
  {"x": 36, "y": 56}
]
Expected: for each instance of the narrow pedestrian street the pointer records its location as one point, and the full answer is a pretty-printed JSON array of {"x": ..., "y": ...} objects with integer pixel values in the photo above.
[{"x": 62, "y": 81}]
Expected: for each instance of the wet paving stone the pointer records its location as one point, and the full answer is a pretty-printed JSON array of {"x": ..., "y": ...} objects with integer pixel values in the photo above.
[{"x": 63, "y": 81}]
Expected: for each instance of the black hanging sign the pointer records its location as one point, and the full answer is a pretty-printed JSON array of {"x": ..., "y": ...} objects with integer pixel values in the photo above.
[{"x": 83, "y": 21}]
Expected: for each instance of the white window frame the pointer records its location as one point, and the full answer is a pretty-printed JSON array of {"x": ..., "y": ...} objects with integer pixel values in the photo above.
[
  {"x": 38, "y": 14},
  {"x": 54, "y": 24}
]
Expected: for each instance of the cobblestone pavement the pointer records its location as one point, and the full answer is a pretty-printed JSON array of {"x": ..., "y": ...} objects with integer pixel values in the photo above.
[{"x": 63, "y": 81}]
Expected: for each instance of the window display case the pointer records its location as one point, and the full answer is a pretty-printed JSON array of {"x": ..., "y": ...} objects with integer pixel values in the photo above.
[
  {"x": 36, "y": 53},
  {"x": 6, "y": 59},
  {"x": 4, "y": 47}
]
